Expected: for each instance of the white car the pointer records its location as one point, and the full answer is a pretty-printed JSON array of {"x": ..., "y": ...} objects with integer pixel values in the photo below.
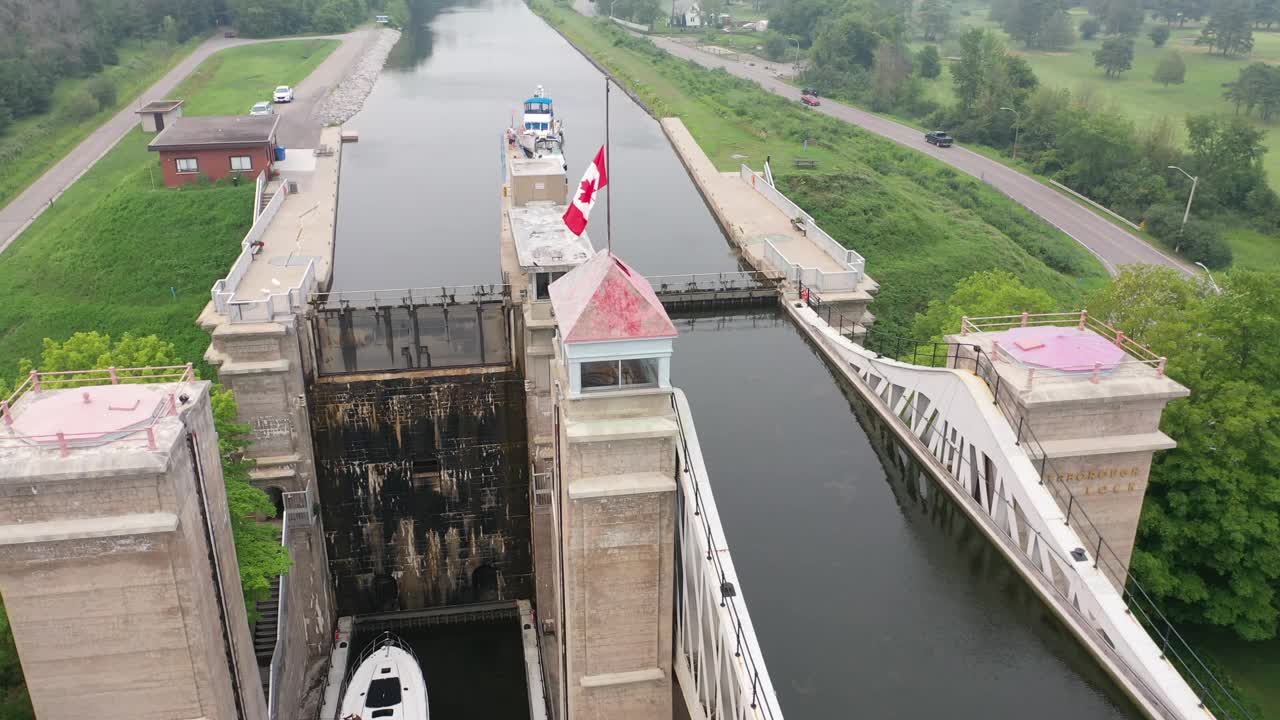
[
  {"x": 284, "y": 94},
  {"x": 262, "y": 108}
]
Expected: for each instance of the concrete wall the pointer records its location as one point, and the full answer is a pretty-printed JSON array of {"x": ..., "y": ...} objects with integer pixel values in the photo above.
[
  {"x": 617, "y": 467},
  {"x": 308, "y": 626},
  {"x": 125, "y": 621},
  {"x": 423, "y": 480}
]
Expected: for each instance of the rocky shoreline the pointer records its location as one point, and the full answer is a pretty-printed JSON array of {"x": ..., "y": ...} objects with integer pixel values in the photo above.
[{"x": 348, "y": 98}]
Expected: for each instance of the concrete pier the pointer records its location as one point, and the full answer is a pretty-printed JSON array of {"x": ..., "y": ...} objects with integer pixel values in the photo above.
[{"x": 770, "y": 239}]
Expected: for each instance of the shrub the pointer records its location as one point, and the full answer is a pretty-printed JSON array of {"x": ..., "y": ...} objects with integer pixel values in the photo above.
[
  {"x": 1089, "y": 28},
  {"x": 1163, "y": 221},
  {"x": 1202, "y": 242},
  {"x": 102, "y": 90},
  {"x": 1159, "y": 35},
  {"x": 82, "y": 106}
]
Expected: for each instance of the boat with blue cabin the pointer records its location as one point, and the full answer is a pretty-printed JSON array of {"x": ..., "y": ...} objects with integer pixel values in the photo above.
[{"x": 542, "y": 133}]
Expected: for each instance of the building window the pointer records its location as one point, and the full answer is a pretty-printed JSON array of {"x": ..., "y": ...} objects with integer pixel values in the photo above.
[
  {"x": 241, "y": 162},
  {"x": 188, "y": 165},
  {"x": 609, "y": 374},
  {"x": 542, "y": 284}
]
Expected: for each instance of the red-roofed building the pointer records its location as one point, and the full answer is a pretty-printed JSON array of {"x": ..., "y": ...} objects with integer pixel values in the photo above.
[{"x": 612, "y": 329}]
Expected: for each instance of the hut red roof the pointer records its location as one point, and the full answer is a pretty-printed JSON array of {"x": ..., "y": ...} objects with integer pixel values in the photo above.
[{"x": 605, "y": 299}]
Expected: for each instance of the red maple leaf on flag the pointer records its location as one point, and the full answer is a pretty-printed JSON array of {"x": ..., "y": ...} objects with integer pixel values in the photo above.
[{"x": 588, "y": 191}]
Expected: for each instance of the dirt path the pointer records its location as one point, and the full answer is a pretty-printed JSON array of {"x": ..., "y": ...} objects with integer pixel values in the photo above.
[{"x": 295, "y": 127}]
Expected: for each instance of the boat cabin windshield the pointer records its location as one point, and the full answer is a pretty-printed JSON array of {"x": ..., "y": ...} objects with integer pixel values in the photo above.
[
  {"x": 383, "y": 692},
  {"x": 541, "y": 108}
]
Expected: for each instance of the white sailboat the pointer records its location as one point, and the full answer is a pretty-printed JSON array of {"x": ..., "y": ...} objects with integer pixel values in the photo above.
[{"x": 386, "y": 684}]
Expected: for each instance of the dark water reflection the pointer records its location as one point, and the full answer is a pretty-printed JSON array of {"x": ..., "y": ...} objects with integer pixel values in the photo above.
[
  {"x": 871, "y": 593},
  {"x": 420, "y": 192}
]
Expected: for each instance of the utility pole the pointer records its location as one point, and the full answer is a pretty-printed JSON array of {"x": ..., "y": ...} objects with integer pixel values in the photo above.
[
  {"x": 1017, "y": 128},
  {"x": 796, "y": 73},
  {"x": 1195, "y": 180}
]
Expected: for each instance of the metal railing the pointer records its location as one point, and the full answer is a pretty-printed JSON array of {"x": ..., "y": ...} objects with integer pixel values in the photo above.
[
  {"x": 959, "y": 355},
  {"x": 716, "y": 647},
  {"x": 712, "y": 282},
  {"x": 1081, "y": 321},
  {"x": 37, "y": 382},
  {"x": 413, "y": 297},
  {"x": 259, "y": 309}
]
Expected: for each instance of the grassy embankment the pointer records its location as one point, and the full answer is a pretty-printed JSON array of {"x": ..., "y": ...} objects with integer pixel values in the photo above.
[
  {"x": 33, "y": 145},
  {"x": 921, "y": 225},
  {"x": 118, "y": 252},
  {"x": 1135, "y": 94}
]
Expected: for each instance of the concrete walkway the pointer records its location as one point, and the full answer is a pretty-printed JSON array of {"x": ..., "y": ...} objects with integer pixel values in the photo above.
[{"x": 27, "y": 206}]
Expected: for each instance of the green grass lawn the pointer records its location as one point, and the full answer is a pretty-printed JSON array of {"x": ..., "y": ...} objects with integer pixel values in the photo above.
[
  {"x": 33, "y": 145},
  {"x": 1253, "y": 666},
  {"x": 230, "y": 82},
  {"x": 119, "y": 252},
  {"x": 921, "y": 225}
]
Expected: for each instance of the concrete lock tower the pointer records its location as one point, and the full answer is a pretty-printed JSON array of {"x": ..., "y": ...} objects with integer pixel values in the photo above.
[
  {"x": 616, "y": 465},
  {"x": 117, "y": 565},
  {"x": 1085, "y": 398}
]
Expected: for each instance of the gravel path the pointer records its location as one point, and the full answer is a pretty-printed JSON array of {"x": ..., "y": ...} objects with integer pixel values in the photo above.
[{"x": 347, "y": 99}]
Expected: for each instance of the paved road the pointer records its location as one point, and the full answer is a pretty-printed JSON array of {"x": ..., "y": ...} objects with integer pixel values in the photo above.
[
  {"x": 295, "y": 126},
  {"x": 1111, "y": 244}
]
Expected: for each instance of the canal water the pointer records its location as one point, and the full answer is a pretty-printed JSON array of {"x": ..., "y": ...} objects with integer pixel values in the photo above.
[
  {"x": 420, "y": 193},
  {"x": 868, "y": 600}
]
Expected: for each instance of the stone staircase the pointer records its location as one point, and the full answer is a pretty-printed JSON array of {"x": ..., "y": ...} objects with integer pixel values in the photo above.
[{"x": 264, "y": 630}]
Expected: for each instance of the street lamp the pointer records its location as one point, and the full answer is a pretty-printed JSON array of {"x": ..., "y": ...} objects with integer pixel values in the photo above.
[
  {"x": 796, "y": 73},
  {"x": 1017, "y": 127},
  {"x": 611, "y": 2},
  {"x": 1195, "y": 180},
  {"x": 1216, "y": 290}
]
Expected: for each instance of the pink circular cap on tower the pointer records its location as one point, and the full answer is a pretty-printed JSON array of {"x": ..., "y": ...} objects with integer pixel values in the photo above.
[
  {"x": 87, "y": 415},
  {"x": 1065, "y": 349}
]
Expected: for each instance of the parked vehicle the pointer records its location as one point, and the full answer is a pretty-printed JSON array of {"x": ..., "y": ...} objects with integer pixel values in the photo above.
[
  {"x": 284, "y": 94},
  {"x": 939, "y": 138},
  {"x": 230, "y": 34},
  {"x": 262, "y": 108},
  {"x": 810, "y": 100},
  {"x": 811, "y": 91}
]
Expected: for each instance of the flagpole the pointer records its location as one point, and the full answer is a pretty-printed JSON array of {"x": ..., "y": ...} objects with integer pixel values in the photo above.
[{"x": 608, "y": 164}]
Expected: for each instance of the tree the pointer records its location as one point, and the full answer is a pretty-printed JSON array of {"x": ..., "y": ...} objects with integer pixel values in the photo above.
[
  {"x": 1226, "y": 153},
  {"x": 1027, "y": 19},
  {"x": 935, "y": 19},
  {"x": 102, "y": 90},
  {"x": 775, "y": 46},
  {"x": 1257, "y": 85},
  {"x": 1209, "y": 539},
  {"x": 1115, "y": 56},
  {"x": 1089, "y": 27},
  {"x": 987, "y": 293},
  {"x": 889, "y": 74},
  {"x": 1171, "y": 70},
  {"x": 849, "y": 41},
  {"x": 1058, "y": 34},
  {"x": 929, "y": 62},
  {"x": 258, "y": 548},
  {"x": 980, "y": 53},
  {"x": 1159, "y": 35},
  {"x": 1228, "y": 30},
  {"x": 15, "y": 704},
  {"x": 1265, "y": 13},
  {"x": 1119, "y": 17}
]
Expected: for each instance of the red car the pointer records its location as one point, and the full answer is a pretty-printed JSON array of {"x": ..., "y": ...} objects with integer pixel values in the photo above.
[{"x": 810, "y": 100}]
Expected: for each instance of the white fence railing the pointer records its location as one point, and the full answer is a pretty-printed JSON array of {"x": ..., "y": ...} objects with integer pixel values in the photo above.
[
  {"x": 268, "y": 307},
  {"x": 856, "y": 264},
  {"x": 846, "y": 281},
  {"x": 971, "y": 447},
  {"x": 258, "y": 187},
  {"x": 718, "y": 663}
]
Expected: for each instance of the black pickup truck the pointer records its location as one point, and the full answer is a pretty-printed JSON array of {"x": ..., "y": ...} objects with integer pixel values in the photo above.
[{"x": 939, "y": 138}]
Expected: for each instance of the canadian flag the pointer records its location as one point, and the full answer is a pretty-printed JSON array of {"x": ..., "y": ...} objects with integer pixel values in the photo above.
[{"x": 595, "y": 178}]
